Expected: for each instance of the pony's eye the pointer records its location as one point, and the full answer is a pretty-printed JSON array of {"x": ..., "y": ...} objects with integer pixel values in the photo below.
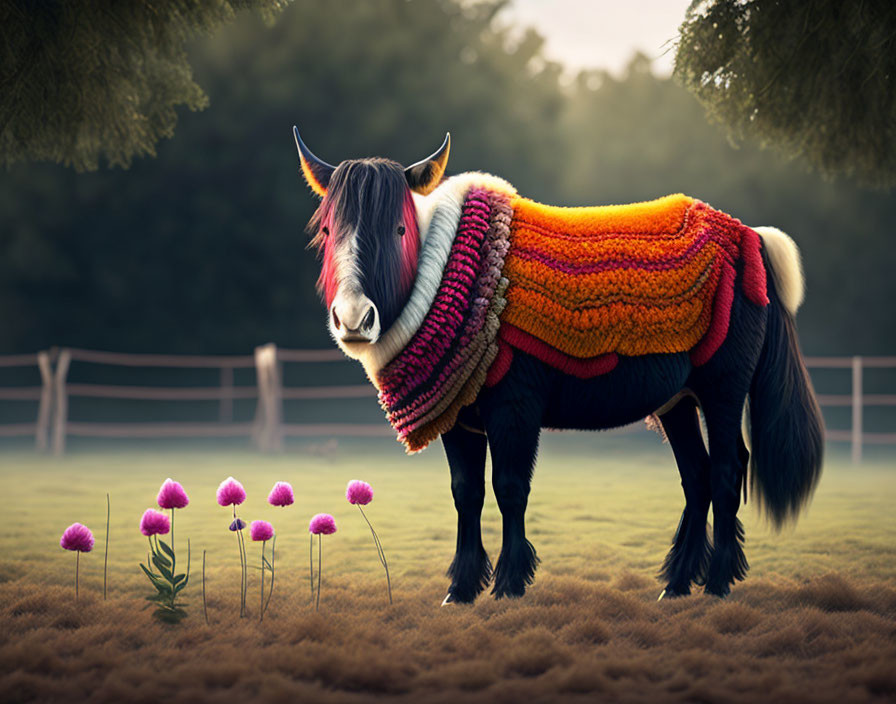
[
  {"x": 401, "y": 230},
  {"x": 326, "y": 231}
]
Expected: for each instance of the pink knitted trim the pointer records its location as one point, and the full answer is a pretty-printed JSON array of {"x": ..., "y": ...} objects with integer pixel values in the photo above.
[
  {"x": 581, "y": 368},
  {"x": 444, "y": 365}
]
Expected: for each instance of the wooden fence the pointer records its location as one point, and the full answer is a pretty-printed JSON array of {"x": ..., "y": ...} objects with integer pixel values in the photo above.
[{"x": 267, "y": 429}]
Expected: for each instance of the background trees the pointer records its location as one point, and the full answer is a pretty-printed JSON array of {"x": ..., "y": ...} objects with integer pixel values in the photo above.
[
  {"x": 813, "y": 79},
  {"x": 202, "y": 249},
  {"x": 99, "y": 79}
]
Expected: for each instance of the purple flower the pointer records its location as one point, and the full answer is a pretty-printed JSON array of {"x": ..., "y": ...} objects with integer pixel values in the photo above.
[
  {"x": 154, "y": 523},
  {"x": 281, "y": 495},
  {"x": 238, "y": 524},
  {"x": 359, "y": 492},
  {"x": 77, "y": 537},
  {"x": 172, "y": 495},
  {"x": 231, "y": 492},
  {"x": 261, "y": 530},
  {"x": 322, "y": 524}
]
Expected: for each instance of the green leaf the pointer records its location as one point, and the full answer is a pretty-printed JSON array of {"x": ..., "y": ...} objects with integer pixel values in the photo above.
[
  {"x": 179, "y": 587},
  {"x": 163, "y": 589},
  {"x": 179, "y": 577},
  {"x": 163, "y": 568},
  {"x": 166, "y": 549},
  {"x": 164, "y": 560},
  {"x": 154, "y": 578}
]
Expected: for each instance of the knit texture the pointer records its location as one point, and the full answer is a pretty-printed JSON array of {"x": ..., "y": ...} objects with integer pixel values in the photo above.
[
  {"x": 589, "y": 284},
  {"x": 576, "y": 288},
  {"x": 444, "y": 365}
]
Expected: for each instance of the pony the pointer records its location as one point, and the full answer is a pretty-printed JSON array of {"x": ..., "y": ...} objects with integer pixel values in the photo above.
[{"x": 483, "y": 317}]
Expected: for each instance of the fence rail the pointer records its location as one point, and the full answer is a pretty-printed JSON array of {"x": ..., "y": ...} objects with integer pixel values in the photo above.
[{"x": 268, "y": 430}]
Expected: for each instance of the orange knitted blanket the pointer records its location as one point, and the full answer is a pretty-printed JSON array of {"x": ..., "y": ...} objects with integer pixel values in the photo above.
[{"x": 653, "y": 277}]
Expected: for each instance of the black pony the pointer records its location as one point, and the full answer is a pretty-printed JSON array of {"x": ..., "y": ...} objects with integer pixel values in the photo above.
[{"x": 373, "y": 228}]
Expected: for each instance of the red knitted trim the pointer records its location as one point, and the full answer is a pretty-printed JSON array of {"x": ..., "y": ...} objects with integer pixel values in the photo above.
[
  {"x": 754, "y": 276},
  {"x": 581, "y": 368},
  {"x": 721, "y": 317},
  {"x": 501, "y": 365}
]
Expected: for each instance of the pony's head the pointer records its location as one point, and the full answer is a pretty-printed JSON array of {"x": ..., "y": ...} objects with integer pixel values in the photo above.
[{"x": 365, "y": 230}]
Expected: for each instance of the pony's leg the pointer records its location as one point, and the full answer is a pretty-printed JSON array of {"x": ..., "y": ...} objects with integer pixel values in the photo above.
[
  {"x": 727, "y": 453},
  {"x": 513, "y": 441},
  {"x": 471, "y": 569},
  {"x": 688, "y": 557}
]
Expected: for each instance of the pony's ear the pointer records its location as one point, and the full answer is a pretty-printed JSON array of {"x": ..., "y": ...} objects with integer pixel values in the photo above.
[
  {"x": 425, "y": 175},
  {"x": 317, "y": 173}
]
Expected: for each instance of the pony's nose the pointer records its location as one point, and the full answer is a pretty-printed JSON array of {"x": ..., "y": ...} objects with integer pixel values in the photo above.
[
  {"x": 366, "y": 322},
  {"x": 355, "y": 321}
]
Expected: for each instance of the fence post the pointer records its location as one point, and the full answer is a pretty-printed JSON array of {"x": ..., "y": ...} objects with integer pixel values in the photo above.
[
  {"x": 61, "y": 417},
  {"x": 275, "y": 379},
  {"x": 225, "y": 408},
  {"x": 857, "y": 404},
  {"x": 45, "y": 409},
  {"x": 268, "y": 433}
]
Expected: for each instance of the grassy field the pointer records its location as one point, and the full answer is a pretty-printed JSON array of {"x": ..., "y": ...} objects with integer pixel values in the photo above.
[{"x": 814, "y": 622}]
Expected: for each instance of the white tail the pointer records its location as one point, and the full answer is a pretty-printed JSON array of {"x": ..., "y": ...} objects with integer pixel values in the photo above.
[{"x": 786, "y": 265}]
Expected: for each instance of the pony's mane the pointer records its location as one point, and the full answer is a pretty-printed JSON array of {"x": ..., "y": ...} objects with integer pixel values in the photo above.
[{"x": 377, "y": 189}]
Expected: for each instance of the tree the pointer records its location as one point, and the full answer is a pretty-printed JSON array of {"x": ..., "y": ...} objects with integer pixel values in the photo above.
[
  {"x": 812, "y": 79},
  {"x": 202, "y": 249},
  {"x": 85, "y": 79}
]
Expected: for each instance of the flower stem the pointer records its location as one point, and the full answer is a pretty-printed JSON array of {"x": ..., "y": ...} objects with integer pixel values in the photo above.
[
  {"x": 311, "y": 563},
  {"x": 239, "y": 545},
  {"x": 320, "y": 547},
  {"x": 106, "y": 557},
  {"x": 245, "y": 565},
  {"x": 271, "y": 592},
  {"x": 261, "y": 605},
  {"x": 244, "y": 576},
  {"x": 77, "y": 570},
  {"x": 380, "y": 551},
  {"x": 204, "y": 605},
  {"x": 172, "y": 541}
]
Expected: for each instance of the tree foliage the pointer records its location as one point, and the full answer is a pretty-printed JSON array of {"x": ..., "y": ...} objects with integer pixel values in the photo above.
[
  {"x": 82, "y": 80},
  {"x": 202, "y": 249},
  {"x": 812, "y": 79}
]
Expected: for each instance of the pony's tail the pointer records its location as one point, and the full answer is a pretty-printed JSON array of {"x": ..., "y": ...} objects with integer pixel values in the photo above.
[{"x": 786, "y": 425}]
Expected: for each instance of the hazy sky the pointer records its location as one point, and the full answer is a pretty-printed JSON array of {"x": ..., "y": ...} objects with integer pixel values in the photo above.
[{"x": 602, "y": 33}]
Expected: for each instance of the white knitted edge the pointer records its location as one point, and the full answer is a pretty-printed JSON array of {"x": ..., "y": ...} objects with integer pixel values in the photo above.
[
  {"x": 786, "y": 266},
  {"x": 438, "y": 216}
]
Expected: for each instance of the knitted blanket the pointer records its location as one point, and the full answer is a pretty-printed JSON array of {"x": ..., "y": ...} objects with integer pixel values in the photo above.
[
  {"x": 575, "y": 287},
  {"x": 589, "y": 284}
]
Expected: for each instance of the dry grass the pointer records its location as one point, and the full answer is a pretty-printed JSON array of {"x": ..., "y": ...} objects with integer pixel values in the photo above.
[{"x": 814, "y": 622}]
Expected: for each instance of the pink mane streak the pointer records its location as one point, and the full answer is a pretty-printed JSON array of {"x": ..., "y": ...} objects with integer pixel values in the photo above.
[
  {"x": 326, "y": 281},
  {"x": 410, "y": 245}
]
